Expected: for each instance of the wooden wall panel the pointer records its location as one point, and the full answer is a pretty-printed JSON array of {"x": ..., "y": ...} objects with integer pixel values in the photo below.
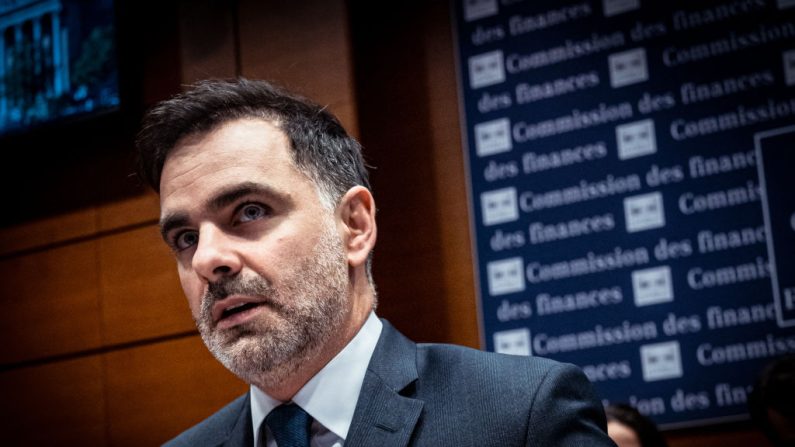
[
  {"x": 80, "y": 224},
  {"x": 136, "y": 210},
  {"x": 408, "y": 121},
  {"x": 140, "y": 289},
  {"x": 449, "y": 177},
  {"x": 50, "y": 303},
  {"x": 304, "y": 46},
  {"x": 207, "y": 40},
  {"x": 50, "y": 230},
  {"x": 157, "y": 391},
  {"x": 57, "y": 404}
]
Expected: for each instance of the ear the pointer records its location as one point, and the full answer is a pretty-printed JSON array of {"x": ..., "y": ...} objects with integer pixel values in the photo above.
[{"x": 357, "y": 213}]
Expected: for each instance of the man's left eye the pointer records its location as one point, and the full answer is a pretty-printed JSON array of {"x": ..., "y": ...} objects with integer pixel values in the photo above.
[{"x": 252, "y": 212}]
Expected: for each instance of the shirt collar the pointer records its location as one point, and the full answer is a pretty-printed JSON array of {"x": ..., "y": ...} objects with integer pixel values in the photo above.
[{"x": 330, "y": 396}]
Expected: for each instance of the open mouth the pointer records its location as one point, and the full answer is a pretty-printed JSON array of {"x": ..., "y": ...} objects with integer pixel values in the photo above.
[{"x": 229, "y": 311}]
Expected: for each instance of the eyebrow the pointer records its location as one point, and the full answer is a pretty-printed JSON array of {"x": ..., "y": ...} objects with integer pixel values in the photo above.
[{"x": 220, "y": 200}]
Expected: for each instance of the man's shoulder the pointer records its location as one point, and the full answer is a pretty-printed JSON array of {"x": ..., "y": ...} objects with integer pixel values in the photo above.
[
  {"x": 468, "y": 358},
  {"x": 487, "y": 370},
  {"x": 541, "y": 400},
  {"x": 215, "y": 429},
  {"x": 447, "y": 362}
]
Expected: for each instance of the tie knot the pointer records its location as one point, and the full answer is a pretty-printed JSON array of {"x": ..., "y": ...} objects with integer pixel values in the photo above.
[{"x": 289, "y": 425}]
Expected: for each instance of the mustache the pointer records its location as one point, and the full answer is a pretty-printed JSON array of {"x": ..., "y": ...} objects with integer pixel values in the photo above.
[
  {"x": 237, "y": 286},
  {"x": 252, "y": 286}
]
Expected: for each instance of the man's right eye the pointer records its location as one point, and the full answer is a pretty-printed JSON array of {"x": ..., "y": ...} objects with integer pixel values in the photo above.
[{"x": 186, "y": 239}]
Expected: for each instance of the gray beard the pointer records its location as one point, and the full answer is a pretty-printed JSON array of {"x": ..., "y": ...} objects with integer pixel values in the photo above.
[{"x": 304, "y": 312}]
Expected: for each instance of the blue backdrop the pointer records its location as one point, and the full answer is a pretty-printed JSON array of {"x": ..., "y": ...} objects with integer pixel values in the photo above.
[{"x": 630, "y": 167}]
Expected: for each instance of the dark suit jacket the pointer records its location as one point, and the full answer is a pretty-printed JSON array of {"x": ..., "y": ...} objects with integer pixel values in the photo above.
[{"x": 444, "y": 395}]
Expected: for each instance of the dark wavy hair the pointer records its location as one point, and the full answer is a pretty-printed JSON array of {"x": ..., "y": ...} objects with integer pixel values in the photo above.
[
  {"x": 644, "y": 428},
  {"x": 320, "y": 146},
  {"x": 775, "y": 390}
]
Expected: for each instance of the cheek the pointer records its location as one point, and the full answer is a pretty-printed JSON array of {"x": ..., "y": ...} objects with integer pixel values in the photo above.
[
  {"x": 193, "y": 289},
  {"x": 270, "y": 257}
]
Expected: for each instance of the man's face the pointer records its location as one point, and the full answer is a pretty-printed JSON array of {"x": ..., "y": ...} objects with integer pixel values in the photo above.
[{"x": 260, "y": 260}]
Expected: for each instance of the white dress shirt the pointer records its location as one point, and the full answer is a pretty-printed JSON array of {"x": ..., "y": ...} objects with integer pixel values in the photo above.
[{"x": 330, "y": 396}]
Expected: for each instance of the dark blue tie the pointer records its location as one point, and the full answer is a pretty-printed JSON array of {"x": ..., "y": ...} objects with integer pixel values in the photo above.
[{"x": 289, "y": 425}]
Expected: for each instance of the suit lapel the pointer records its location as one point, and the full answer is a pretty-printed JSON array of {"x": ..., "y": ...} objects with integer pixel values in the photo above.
[
  {"x": 241, "y": 433},
  {"x": 384, "y": 417}
]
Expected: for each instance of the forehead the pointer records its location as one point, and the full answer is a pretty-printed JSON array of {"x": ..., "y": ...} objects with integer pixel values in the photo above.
[{"x": 243, "y": 150}]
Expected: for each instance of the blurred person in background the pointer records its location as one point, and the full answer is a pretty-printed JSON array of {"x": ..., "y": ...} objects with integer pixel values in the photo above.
[
  {"x": 627, "y": 427},
  {"x": 772, "y": 401}
]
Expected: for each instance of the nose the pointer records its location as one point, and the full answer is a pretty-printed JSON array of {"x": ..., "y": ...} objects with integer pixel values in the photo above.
[{"x": 216, "y": 254}]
